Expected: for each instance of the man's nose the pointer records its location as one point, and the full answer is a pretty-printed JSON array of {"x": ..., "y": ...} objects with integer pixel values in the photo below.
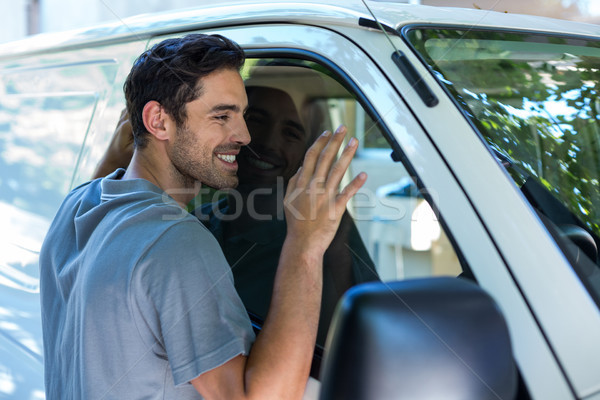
[
  {"x": 269, "y": 135},
  {"x": 240, "y": 133}
]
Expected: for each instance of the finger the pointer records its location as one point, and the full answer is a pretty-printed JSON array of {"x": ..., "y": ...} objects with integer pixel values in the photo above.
[
  {"x": 350, "y": 190},
  {"x": 311, "y": 157},
  {"x": 328, "y": 155},
  {"x": 123, "y": 117},
  {"x": 339, "y": 168},
  {"x": 125, "y": 136}
]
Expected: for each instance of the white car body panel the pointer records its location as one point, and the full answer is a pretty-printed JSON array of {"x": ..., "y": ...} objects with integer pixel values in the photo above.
[
  {"x": 553, "y": 321},
  {"x": 537, "y": 270}
]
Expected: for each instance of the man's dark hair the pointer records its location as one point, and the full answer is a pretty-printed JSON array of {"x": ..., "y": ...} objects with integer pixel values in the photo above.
[{"x": 169, "y": 73}]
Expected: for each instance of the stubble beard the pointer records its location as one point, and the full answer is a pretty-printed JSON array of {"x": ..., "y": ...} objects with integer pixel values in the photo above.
[{"x": 190, "y": 169}]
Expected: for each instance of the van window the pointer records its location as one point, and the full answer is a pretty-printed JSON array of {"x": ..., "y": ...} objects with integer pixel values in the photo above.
[
  {"x": 46, "y": 107},
  {"x": 389, "y": 231},
  {"x": 535, "y": 101},
  {"x": 45, "y": 113}
]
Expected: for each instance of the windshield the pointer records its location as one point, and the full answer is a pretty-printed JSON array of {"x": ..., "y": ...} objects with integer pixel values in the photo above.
[{"x": 535, "y": 101}]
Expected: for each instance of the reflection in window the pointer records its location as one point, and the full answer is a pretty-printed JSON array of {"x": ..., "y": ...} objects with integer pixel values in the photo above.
[
  {"x": 45, "y": 115},
  {"x": 38, "y": 149},
  {"x": 535, "y": 101},
  {"x": 389, "y": 231}
]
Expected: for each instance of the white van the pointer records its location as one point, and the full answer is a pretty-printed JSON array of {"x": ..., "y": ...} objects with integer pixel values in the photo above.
[{"x": 480, "y": 134}]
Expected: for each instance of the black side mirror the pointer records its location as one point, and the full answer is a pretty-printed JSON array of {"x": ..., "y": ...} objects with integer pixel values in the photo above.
[{"x": 434, "y": 338}]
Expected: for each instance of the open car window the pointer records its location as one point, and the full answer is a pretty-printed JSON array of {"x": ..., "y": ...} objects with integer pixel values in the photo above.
[
  {"x": 535, "y": 101},
  {"x": 389, "y": 231}
]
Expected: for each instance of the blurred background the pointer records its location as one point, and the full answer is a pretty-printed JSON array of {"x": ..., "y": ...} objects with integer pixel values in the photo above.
[{"x": 20, "y": 18}]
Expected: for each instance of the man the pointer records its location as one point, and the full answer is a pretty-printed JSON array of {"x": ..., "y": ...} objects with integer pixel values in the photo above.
[
  {"x": 248, "y": 223},
  {"x": 137, "y": 298}
]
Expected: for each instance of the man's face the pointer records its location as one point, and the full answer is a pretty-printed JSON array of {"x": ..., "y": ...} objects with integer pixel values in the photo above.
[
  {"x": 205, "y": 148},
  {"x": 279, "y": 139}
]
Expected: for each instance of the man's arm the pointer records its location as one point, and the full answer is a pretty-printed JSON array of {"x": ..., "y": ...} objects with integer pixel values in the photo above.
[
  {"x": 279, "y": 362},
  {"x": 120, "y": 149}
]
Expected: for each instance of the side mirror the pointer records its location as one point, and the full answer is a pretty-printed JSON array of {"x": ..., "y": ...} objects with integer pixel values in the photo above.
[{"x": 434, "y": 338}]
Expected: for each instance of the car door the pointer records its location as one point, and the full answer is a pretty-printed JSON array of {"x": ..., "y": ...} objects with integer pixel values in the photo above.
[
  {"x": 57, "y": 113},
  {"x": 413, "y": 217},
  {"x": 554, "y": 286}
]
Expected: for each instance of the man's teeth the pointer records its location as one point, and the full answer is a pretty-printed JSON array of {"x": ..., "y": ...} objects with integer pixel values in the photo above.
[
  {"x": 230, "y": 158},
  {"x": 260, "y": 164}
]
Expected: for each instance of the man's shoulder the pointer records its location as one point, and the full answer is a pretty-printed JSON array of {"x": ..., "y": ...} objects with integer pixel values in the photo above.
[
  {"x": 80, "y": 200},
  {"x": 179, "y": 248},
  {"x": 184, "y": 233}
]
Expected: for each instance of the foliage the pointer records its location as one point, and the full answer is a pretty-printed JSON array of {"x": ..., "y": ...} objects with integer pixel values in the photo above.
[{"x": 540, "y": 109}]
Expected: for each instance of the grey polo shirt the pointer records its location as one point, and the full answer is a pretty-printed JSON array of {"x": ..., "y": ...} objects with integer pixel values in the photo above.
[{"x": 137, "y": 297}]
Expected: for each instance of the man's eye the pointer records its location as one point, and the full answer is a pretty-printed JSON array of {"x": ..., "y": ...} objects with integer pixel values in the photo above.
[
  {"x": 293, "y": 134},
  {"x": 224, "y": 117},
  {"x": 249, "y": 116}
]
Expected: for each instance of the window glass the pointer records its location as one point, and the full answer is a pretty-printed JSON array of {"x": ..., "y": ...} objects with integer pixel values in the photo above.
[
  {"x": 389, "y": 231},
  {"x": 45, "y": 113},
  {"x": 535, "y": 101}
]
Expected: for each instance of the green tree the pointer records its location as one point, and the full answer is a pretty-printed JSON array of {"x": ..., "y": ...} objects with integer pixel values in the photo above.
[{"x": 542, "y": 112}]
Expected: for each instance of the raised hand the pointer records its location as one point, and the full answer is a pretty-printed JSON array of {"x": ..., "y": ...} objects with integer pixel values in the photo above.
[
  {"x": 119, "y": 151},
  {"x": 314, "y": 205}
]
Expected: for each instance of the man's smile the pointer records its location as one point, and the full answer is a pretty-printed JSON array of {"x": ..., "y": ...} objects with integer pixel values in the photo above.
[{"x": 228, "y": 158}]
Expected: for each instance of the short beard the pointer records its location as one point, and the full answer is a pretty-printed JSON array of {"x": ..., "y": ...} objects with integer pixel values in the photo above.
[{"x": 188, "y": 170}]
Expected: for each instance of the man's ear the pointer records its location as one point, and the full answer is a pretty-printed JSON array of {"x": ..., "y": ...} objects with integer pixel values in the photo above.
[{"x": 156, "y": 120}]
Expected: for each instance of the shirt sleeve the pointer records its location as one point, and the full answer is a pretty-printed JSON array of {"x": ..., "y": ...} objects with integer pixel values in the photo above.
[{"x": 183, "y": 287}]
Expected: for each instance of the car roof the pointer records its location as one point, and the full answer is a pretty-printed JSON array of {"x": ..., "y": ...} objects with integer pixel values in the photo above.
[
  {"x": 329, "y": 13},
  {"x": 399, "y": 15}
]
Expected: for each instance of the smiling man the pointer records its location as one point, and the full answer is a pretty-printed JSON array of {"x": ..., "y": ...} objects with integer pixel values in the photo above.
[{"x": 138, "y": 300}]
